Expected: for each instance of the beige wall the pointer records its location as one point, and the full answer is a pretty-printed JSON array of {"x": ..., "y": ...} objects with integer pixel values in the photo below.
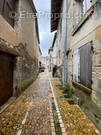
[
  {"x": 89, "y": 31},
  {"x": 58, "y": 50},
  {"x": 28, "y": 28},
  {"x": 24, "y": 30},
  {"x": 8, "y": 33}
]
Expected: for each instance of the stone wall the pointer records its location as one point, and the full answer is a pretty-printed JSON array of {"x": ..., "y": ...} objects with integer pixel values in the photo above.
[
  {"x": 22, "y": 42},
  {"x": 89, "y": 31},
  {"x": 58, "y": 49},
  {"x": 26, "y": 66},
  {"x": 29, "y": 65},
  {"x": 28, "y": 27}
]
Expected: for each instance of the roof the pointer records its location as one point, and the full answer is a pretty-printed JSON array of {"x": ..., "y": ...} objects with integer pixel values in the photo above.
[
  {"x": 40, "y": 50},
  {"x": 37, "y": 30},
  {"x": 54, "y": 39},
  {"x": 33, "y": 6},
  {"x": 55, "y": 10}
]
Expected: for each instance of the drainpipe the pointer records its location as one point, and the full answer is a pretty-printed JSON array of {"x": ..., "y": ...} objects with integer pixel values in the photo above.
[{"x": 65, "y": 44}]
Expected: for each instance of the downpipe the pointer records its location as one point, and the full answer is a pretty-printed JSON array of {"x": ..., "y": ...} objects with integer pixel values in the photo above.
[{"x": 65, "y": 78}]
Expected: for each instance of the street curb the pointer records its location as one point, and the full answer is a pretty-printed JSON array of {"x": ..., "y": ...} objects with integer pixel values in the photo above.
[
  {"x": 52, "y": 119},
  {"x": 58, "y": 111},
  {"x": 7, "y": 104}
]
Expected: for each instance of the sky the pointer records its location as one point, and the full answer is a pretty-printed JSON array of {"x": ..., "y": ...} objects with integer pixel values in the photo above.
[{"x": 46, "y": 37}]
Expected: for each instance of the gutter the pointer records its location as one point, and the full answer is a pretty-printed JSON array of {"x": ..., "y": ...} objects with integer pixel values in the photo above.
[{"x": 65, "y": 46}]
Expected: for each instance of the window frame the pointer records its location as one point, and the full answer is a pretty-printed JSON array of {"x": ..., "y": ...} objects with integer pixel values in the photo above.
[
  {"x": 81, "y": 9},
  {"x": 5, "y": 3},
  {"x": 80, "y": 68}
]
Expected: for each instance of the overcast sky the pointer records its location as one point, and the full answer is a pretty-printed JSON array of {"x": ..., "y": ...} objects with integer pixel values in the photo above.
[{"x": 46, "y": 37}]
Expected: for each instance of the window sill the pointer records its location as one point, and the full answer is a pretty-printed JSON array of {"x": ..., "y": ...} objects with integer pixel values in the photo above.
[
  {"x": 82, "y": 87},
  {"x": 83, "y": 20}
]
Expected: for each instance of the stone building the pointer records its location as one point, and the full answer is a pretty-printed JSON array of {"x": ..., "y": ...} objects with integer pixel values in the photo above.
[
  {"x": 19, "y": 40},
  {"x": 58, "y": 23},
  {"x": 53, "y": 53},
  {"x": 39, "y": 57},
  {"x": 50, "y": 52},
  {"x": 83, "y": 50},
  {"x": 55, "y": 56}
]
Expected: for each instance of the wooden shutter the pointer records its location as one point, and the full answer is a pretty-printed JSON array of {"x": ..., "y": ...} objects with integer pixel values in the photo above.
[
  {"x": 86, "y": 65},
  {"x": 1, "y": 6},
  {"x": 9, "y": 7},
  {"x": 76, "y": 65}
]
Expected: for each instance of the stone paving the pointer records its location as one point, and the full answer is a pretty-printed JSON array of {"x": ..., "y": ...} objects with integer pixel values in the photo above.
[
  {"x": 30, "y": 113},
  {"x": 74, "y": 119}
]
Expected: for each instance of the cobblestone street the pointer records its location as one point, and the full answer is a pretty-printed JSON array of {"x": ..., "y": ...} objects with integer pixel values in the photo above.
[
  {"x": 40, "y": 110},
  {"x": 50, "y": 67},
  {"x": 30, "y": 113}
]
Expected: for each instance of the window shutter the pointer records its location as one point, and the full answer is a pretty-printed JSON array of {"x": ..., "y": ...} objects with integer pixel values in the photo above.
[
  {"x": 1, "y": 6},
  {"x": 86, "y": 65},
  {"x": 76, "y": 65},
  {"x": 9, "y": 7}
]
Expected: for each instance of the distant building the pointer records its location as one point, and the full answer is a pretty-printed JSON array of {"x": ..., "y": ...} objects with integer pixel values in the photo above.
[
  {"x": 39, "y": 57},
  {"x": 45, "y": 61}
]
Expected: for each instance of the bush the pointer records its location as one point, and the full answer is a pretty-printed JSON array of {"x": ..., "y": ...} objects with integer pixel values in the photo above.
[
  {"x": 68, "y": 89},
  {"x": 71, "y": 92},
  {"x": 86, "y": 106},
  {"x": 81, "y": 101}
]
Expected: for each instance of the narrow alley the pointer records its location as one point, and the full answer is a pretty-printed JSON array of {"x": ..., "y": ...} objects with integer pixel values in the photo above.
[
  {"x": 50, "y": 67},
  {"x": 32, "y": 113}
]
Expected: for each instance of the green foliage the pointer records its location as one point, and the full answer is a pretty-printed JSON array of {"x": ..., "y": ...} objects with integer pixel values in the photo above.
[
  {"x": 68, "y": 89},
  {"x": 81, "y": 101},
  {"x": 97, "y": 120},
  {"x": 71, "y": 91},
  {"x": 86, "y": 106}
]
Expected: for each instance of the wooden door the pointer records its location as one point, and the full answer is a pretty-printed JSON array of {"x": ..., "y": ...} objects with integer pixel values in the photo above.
[{"x": 6, "y": 77}]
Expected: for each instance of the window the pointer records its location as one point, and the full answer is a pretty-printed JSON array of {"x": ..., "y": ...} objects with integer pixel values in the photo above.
[
  {"x": 1, "y": 6},
  {"x": 7, "y": 6},
  {"x": 82, "y": 65},
  {"x": 86, "y": 65},
  {"x": 59, "y": 57},
  {"x": 83, "y": 7},
  {"x": 76, "y": 65},
  {"x": 60, "y": 28},
  {"x": 89, "y": 3}
]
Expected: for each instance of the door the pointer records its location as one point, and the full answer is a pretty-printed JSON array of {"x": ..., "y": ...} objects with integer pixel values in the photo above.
[
  {"x": 86, "y": 65},
  {"x": 6, "y": 77}
]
